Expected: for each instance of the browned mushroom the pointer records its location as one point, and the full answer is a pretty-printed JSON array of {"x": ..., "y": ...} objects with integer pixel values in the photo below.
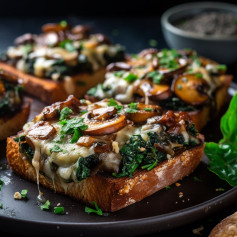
[
  {"x": 25, "y": 39},
  {"x": 41, "y": 130},
  {"x": 103, "y": 114},
  {"x": 191, "y": 89},
  {"x": 144, "y": 112},
  {"x": 81, "y": 29},
  {"x": 98, "y": 128},
  {"x": 101, "y": 147},
  {"x": 55, "y": 27},
  {"x": 52, "y": 111},
  {"x": 145, "y": 52},
  {"x": 152, "y": 90},
  {"x": 119, "y": 66},
  {"x": 2, "y": 88},
  {"x": 86, "y": 141}
]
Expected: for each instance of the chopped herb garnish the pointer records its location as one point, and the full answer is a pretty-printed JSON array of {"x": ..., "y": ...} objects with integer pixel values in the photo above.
[
  {"x": 130, "y": 78},
  {"x": 156, "y": 76},
  {"x": 83, "y": 112},
  {"x": 179, "y": 87},
  {"x": 119, "y": 73},
  {"x": 1, "y": 206},
  {"x": 45, "y": 206},
  {"x": 82, "y": 101},
  {"x": 113, "y": 103},
  {"x": 220, "y": 189},
  {"x": 24, "y": 193},
  {"x": 68, "y": 45},
  {"x": 0, "y": 187},
  {"x": 222, "y": 67},
  {"x": 132, "y": 108},
  {"x": 134, "y": 56},
  {"x": 97, "y": 210},
  {"x": 73, "y": 126},
  {"x": 64, "y": 113},
  {"x": 1, "y": 182},
  {"x": 167, "y": 187},
  {"x": 148, "y": 109},
  {"x": 199, "y": 75},
  {"x": 55, "y": 148},
  {"x": 63, "y": 23},
  {"x": 195, "y": 178},
  {"x": 59, "y": 210},
  {"x": 153, "y": 43}
]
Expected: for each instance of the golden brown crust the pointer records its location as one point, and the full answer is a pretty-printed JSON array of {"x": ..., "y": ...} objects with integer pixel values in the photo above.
[
  {"x": 203, "y": 116},
  {"x": 50, "y": 91},
  {"x": 112, "y": 194},
  {"x": 226, "y": 228},
  {"x": 11, "y": 125}
]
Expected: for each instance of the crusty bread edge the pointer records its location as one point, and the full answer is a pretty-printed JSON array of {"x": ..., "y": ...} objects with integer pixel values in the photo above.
[
  {"x": 10, "y": 125},
  {"x": 112, "y": 194},
  {"x": 49, "y": 91}
]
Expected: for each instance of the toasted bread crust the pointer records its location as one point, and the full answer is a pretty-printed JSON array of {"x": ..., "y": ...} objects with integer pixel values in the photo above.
[
  {"x": 112, "y": 194},
  {"x": 50, "y": 91},
  {"x": 226, "y": 228},
  {"x": 203, "y": 116},
  {"x": 11, "y": 125}
]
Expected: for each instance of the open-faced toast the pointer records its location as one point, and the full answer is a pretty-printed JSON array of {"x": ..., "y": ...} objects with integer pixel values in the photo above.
[
  {"x": 105, "y": 152},
  {"x": 176, "y": 80},
  {"x": 60, "y": 61}
]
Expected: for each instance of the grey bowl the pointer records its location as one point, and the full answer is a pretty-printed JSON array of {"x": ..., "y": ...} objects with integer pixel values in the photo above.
[{"x": 223, "y": 49}]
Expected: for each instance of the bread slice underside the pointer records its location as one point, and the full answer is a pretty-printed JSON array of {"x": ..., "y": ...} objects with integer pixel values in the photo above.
[
  {"x": 110, "y": 193},
  {"x": 50, "y": 91},
  {"x": 10, "y": 125}
]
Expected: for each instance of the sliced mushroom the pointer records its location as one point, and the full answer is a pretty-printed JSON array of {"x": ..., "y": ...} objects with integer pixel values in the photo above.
[
  {"x": 141, "y": 115},
  {"x": 54, "y": 27},
  {"x": 119, "y": 66},
  {"x": 145, "y": 52},
  {"x": 153, "y": 91},
  {"x": 191, "y": 89},
  {"x": 101, "y": 147},
  {"x": 52, "y": 111},
  {"x": 25, "y": 39},
  {"x": 86, "y": 141},
  {"x": 103, "y": 114},
  {"x": 98, "y": 128},
  {"x": 81, "y": 29},
  {"x": 41, "y": 130},
  {"x": 2, "y": 88}
]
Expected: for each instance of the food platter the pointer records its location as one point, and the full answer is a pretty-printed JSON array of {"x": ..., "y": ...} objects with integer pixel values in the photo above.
[{"x": 199, "y": 195}]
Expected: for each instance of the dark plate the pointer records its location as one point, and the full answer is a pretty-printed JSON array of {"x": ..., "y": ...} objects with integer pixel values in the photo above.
[{"x": 164, "y": 210}]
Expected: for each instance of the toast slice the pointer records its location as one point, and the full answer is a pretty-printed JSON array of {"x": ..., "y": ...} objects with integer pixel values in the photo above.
[
  {"x": 60, "y": 61},
  {"x": 49, "y": 91},
  {"x": 178, "y": 80},
  {"x": 105, "y": 152},
  {"x": 112, "y": 194},
  {"x": 10, "y": 125}
]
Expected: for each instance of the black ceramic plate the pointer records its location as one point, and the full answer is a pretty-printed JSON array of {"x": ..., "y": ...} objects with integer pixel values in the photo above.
[{"x": 203, "y": 194}]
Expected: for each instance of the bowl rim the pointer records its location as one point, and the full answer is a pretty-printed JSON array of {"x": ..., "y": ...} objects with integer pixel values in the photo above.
[{"x": 196, "y": 5}]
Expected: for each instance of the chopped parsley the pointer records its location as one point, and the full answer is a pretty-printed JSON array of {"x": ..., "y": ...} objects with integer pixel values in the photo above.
[
  {"x": 55, "y": 148},
  {"x": 199, "y": 75},
  {"x": 1, "y": 206},
  {"x": 148, "y": 109},
  {"x": 97, "y": 210},
  {"x": 168, "y": 59},
  {"x": 195, "y": 178},
  {"x": 113, "y": 103},
  {"x": 156, "y": 76},
  {"x": 59, "y": 210},
  {"x": 130, "y": 78},
  {"x": 222, "y": 67},
  {"x": 45, "y": 206},
  {"x": 68, "y": 45},
  {"x": 119, "y": 73},
  {"x": 73, "y": 126},
  {"x": 24, "y": 193},
  {"x": 132, "y": 108},
  {"x": 153, "y": 43},
  {"x": 64, "y": 113},
  {"x": 167, "y": 187},
  {"x": 63, "y": 23}
]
